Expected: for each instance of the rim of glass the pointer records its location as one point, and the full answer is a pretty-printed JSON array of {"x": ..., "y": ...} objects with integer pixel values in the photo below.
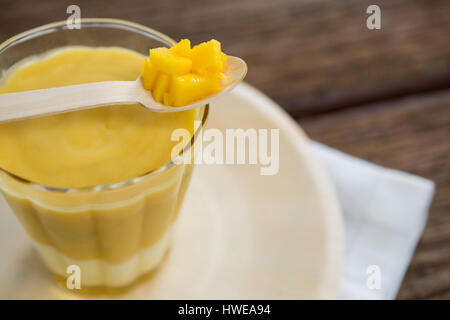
[{"x": 106, "y": 23}]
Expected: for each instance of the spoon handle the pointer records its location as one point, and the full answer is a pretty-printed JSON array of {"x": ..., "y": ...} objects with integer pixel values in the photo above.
[{"x": 34, "y": 103}]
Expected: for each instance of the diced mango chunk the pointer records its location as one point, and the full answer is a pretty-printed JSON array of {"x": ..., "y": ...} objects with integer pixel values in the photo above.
[
  {"x": 164, "y": 60},
  {"x": 160, "y": 87},
  {"x": 182, "y": 48},
  {"x": 148, "y": 75},
  {"x": 207, "y": 58},
  {"x": 180, "y": 75},
  {"x": 191, "y": 87}
]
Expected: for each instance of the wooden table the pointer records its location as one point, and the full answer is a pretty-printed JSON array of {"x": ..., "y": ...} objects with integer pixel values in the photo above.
[{"x": 382, "y": 95}]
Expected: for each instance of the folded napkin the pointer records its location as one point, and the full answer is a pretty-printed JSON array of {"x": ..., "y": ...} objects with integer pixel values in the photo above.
[{"x": 385, "y": 212}]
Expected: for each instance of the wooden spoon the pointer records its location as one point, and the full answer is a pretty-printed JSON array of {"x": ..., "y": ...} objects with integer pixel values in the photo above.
[{"x": 38, "y": 103}]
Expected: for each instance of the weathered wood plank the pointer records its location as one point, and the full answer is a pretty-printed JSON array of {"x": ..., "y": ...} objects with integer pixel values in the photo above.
[{"x": 411, "y": 134}]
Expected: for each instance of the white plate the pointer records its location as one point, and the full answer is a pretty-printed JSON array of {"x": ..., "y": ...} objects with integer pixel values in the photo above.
[{"x": 240, "y": 234}]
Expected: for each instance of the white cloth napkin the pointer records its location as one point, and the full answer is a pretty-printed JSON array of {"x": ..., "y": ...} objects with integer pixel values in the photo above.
[{"x": 385, "y": 212}]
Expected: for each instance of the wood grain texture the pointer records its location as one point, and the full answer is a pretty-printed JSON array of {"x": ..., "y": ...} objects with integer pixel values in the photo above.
[
  {"x": 320, "y": 62},
  {"x": 412, "y": 134}
]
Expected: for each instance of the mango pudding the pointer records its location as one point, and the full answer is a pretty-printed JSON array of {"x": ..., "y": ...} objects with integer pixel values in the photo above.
[
  {"x": 98, "y": 188},
  {"x": 90, "y": 147}
]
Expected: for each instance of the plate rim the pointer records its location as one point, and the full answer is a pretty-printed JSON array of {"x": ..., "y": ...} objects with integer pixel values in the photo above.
[{"x": 329, "y": 283}]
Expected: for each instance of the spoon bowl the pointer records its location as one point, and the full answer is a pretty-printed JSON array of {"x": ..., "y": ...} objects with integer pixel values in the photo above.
[{"x": 235, "y": 71}]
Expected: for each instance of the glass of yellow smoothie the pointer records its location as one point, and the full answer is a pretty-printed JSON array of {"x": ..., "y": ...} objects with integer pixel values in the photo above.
[{"x": 96, "y": 188}]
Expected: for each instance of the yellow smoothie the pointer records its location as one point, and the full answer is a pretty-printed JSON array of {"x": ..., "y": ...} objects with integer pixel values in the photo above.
[
  {"x": 114, "y": 235},
  {"x": 86, "y": 148}
]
